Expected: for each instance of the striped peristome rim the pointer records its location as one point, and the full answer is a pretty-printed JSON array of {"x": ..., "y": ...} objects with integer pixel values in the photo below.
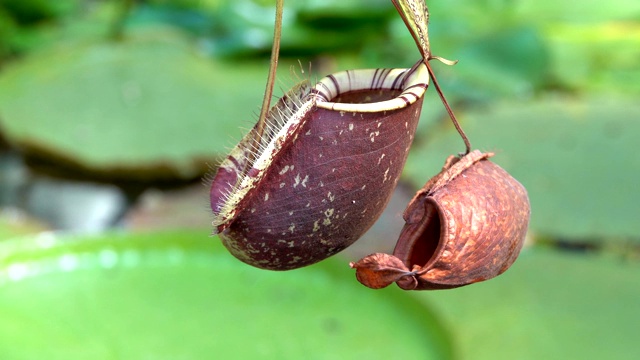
[{"x": 413, "y": 82}]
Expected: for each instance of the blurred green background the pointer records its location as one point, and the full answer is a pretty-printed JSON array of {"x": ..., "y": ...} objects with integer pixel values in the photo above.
[{"x": 112, "y": 111}]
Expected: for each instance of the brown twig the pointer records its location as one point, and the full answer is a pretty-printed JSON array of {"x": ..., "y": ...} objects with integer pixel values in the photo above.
[
  {"x": 271, "y": 79},
  {"x": 467, "y": 143},
  {"x": 415, "y": 15}
]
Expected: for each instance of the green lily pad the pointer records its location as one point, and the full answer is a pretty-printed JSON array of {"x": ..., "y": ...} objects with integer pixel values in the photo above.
[
  {"x": 549, "y": 305},
  {"x": 147, "y": 107},
  {"x": 180, "y": 295},
  {"x": 577, "y": 159}
]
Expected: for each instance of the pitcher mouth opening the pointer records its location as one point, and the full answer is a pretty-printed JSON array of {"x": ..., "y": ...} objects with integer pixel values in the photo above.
[{"x": 372, "y": 90}]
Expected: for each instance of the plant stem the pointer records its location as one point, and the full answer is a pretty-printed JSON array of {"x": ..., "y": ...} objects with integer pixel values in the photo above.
[
  {"x": 415, "y": 15},
  {"x": 467, "y": 143},
  {"x": 268, "y": 93},
  {"x": 271, "y": 79}
]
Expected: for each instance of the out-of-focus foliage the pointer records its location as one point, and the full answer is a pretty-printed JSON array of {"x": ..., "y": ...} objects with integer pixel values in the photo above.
[
  {"x": 309, "y": 27},
  {"x": 509, "y": 48},
  {"x": 597, "y": 57},
  {"x": 34, "y": 11},
  {"x": 25, "y": 24}
]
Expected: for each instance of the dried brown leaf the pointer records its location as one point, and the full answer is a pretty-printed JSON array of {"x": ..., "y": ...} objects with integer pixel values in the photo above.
[{"x": 380, "y": 270}]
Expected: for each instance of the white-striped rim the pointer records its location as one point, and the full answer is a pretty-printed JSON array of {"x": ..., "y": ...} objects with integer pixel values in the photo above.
[{"x": 412, "y": 82}]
